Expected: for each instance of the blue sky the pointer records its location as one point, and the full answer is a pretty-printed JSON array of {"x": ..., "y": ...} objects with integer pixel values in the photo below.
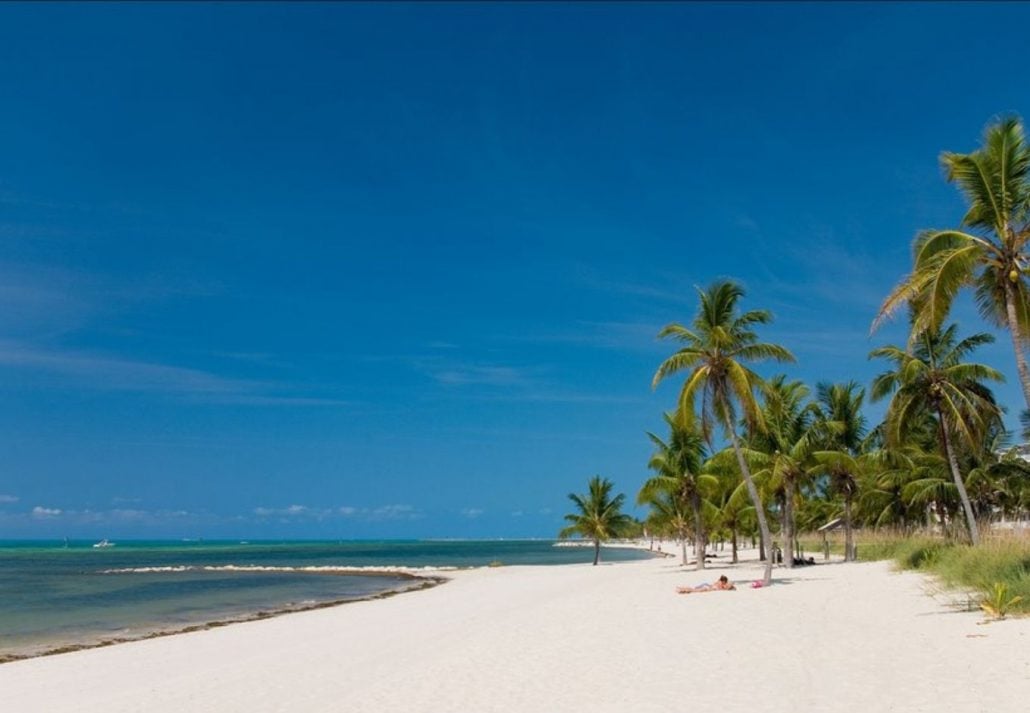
[{"x": 342, "y": 270}]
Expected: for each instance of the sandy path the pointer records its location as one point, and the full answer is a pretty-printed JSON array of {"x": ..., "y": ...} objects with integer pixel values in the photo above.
[{"x": 612, "y": 638}]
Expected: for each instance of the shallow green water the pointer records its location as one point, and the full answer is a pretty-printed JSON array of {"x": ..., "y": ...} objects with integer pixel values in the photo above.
[{"x": 52, "y": 595}]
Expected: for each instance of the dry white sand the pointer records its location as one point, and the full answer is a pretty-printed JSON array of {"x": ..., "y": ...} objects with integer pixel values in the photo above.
[{"x": 835, "y": 637}]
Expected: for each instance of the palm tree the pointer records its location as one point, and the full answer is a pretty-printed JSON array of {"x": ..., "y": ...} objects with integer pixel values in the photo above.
[
  {"x": 930, "y": 489},
  {"x": 881, "y": 484},
  {"x": 997, "y": 478},
  {"x": 933, "y": 380},
  {"x": 600, "y": 516},
  {"x": 677, "y": 465},
  {"x": 731, "y": 507},
  {"x": 715, "y": 353},
  {"x": 889, "y": 467},
  {"x": 783, "y": 452},
  {"x": 670, "y": 516},
  {"x": 988, "y": 251},
  {"x": 733, "y": 512},
  {"x": 841, "y": 405}
]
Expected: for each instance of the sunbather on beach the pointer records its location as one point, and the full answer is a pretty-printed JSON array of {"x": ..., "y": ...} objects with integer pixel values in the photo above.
[{"x": 720, "y": 585}]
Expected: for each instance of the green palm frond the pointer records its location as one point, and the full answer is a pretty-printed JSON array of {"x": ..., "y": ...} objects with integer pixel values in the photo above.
[
  {"x": 762, "y": 352},
  {"x": 679, "y": 332},
  {"x": 599, "y": 515},
  {"x": 947, "y": 273},
  {"x": 987, "y": 253},
  {"x": 993, "y": 179}
]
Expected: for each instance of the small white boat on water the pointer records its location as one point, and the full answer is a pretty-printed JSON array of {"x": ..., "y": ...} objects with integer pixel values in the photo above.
[{"x": 103, "y": 543}]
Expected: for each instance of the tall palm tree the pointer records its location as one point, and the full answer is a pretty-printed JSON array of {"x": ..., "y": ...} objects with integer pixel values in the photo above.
[
  {"x": 841, "y": 405},
  {"x": 677, "y": 465},
  {"x": 934, "y": 380},
  {"x": 715, "y": 352},
  {"x": 989, "y": 250},
  {"x": 599, "y": 516}
]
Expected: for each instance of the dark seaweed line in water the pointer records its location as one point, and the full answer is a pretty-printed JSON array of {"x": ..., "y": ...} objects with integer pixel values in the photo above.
[{"x": 424, "y": 583}]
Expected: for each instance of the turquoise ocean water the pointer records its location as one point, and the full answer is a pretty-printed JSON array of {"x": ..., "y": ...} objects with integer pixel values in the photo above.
[{"x": 56, "y": 594}]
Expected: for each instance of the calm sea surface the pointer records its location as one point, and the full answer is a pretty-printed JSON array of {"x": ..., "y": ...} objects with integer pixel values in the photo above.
[{"x": 53, "y": 595}]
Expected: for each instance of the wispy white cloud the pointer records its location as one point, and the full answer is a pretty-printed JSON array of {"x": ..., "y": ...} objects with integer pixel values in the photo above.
[
  {"x": 453, "y": 372},
  {"x": 41, "y": 299},
  {"x": 113, "y": 516},
  {"x": 364, "y": 514},
  {"x": 116, "y": 373},
  {"x": 747, "y": 223},
  {"x": 837, "y": 272},
  {"x": 21, "y": 199},
  {"x": 472, "y": 513},
  {"x": 557, "y": 396},
  {"x": 668, "y": 288},
  {"x": 6, "y": 499},
  {"x": 482, "y": 374},
  {"x": 47, "y": 299},
  {"x": 383, "y": 512},
  {"x": 90, "y": 522},
  {"x": 641, "y": 336},
  {"x": 256, "y": 400},
  {"x": 110, "y": 373},
  {"x": 292, "y": 511}
]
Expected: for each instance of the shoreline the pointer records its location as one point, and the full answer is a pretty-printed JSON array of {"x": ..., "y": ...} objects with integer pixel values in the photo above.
[
  {"x": 425, "y": 581},
  {"x": 426, "y": 577},
  {"x": 104, "y": 623}
]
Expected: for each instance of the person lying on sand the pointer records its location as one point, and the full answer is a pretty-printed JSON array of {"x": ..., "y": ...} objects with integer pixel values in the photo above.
[{"x": 720, "y": 585}]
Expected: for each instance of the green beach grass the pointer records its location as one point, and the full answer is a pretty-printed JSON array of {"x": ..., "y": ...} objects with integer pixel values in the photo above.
[{"x": 999, "y": 568}]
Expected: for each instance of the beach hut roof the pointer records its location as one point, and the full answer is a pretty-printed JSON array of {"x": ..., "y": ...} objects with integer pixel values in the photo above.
[{"x": 832, "y": 524}]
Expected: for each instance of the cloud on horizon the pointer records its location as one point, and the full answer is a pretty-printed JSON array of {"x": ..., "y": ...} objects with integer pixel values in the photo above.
[{"x": 384, "y": 512}]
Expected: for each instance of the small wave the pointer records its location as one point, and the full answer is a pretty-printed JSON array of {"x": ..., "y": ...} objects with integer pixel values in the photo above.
[{"x": 310, "y": 569}]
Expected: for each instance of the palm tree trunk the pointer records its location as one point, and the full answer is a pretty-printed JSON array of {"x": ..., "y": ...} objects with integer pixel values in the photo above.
[
  {"x": 683, "y": 547},
  {"x": 734, "y": 541},
  {"x": 597, "y": 552},
  {"x": 788, "y": 523},
  {"x": 1017, "y": 340},
  {"x": 974, "y": 531},
  {"x": 848, "y": 547},
  {"x": 752, "y": 491},
  {"x": 699, "y": 534}
]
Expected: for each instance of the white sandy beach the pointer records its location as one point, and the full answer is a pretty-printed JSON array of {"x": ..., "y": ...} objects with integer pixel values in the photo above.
[{"x": 834, "y": 637}]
